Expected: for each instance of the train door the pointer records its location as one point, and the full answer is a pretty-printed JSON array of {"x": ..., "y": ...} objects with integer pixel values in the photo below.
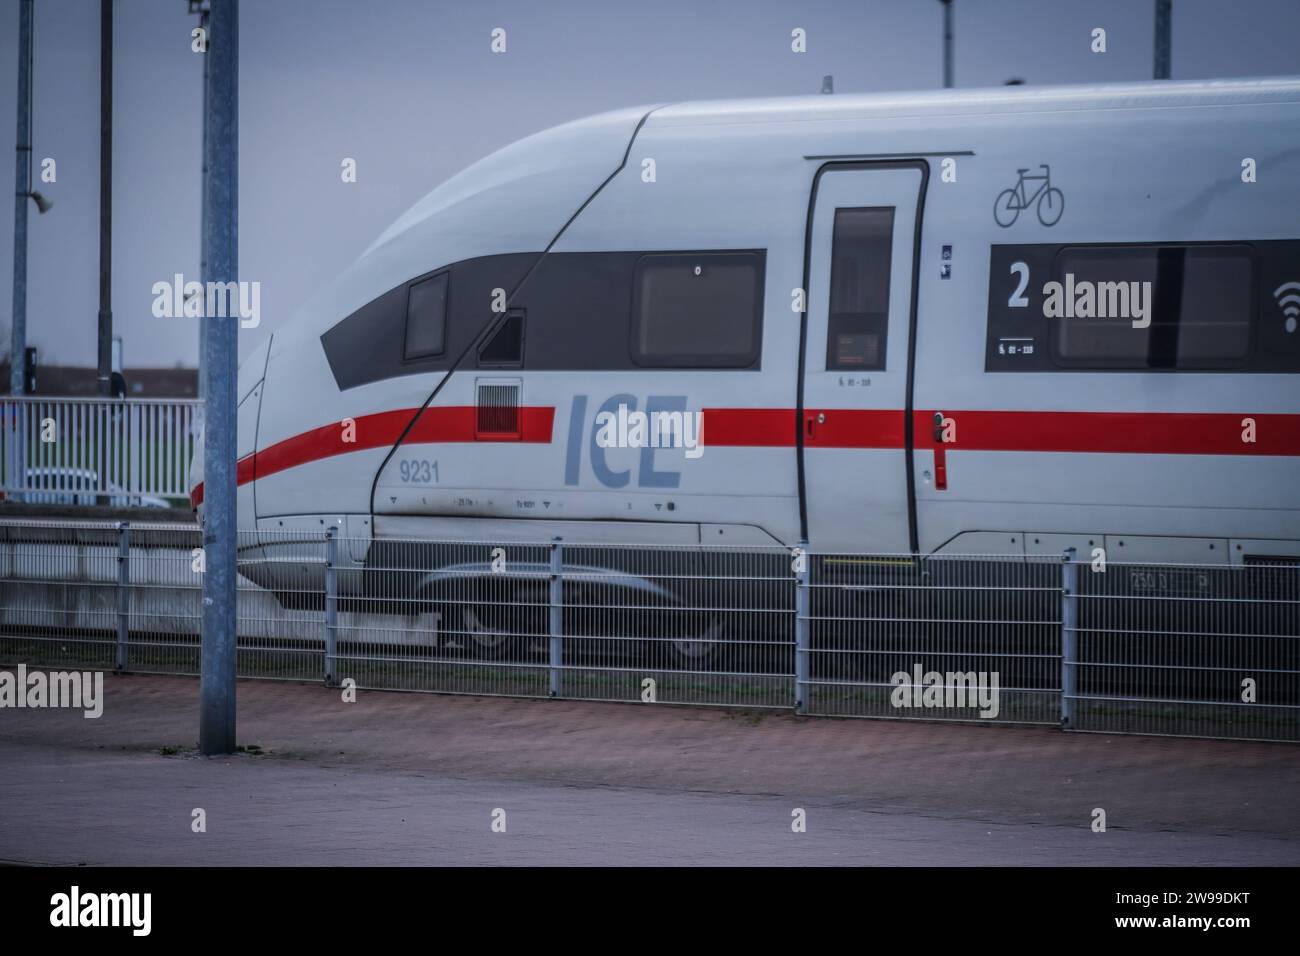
[{"x": 860, "y": 283}]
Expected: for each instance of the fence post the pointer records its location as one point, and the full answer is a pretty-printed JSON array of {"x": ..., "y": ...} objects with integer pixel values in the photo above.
[
  {"x": 331, "y": 608},
  {"x": 556, "y": 622},
  {"x": 1069, "y": 634},
  {"x": 802, "y": 629},
  {"x": 123, "y": 593}
]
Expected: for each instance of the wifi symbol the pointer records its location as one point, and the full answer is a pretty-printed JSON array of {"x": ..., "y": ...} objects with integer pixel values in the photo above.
[{"x": 1288, "y": 298}]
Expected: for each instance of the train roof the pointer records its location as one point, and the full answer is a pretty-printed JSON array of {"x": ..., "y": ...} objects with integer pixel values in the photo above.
[
  {"x": 999, "y": 99},
  {"x": 592, "y": 141}
]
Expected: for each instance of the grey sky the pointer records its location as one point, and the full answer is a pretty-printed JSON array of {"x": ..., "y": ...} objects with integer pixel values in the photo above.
[{"x": 411, "y": 90}]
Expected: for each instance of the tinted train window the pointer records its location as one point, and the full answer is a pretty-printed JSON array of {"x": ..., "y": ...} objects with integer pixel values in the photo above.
[
  {"x": 1142, "y": 307},
  {"x": 1152, "y": 307},
  {"x": 426, "y": 318},
  {"x": 697, "y": 310},
  {"x": 506, "y": 347},
  {"x": 861, "y": 247}
]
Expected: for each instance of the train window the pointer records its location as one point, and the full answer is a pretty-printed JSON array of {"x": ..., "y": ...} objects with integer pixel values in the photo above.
[
  {"x": 1151, "y": 307},
  {"x": 858, "y": 317},
  {"x": 506, "y": 347},
  {"x": 697, "y": 310},
  {"x": 426, "y": 318}
]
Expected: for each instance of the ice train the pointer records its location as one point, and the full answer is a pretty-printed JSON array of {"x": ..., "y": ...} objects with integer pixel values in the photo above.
[{"x": 1003, "y": 321}]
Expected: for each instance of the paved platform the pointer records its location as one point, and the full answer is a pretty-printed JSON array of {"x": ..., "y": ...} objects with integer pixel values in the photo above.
[{"x": 414, "y": 779}]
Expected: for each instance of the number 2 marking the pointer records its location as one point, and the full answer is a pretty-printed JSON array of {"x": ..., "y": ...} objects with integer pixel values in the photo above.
[{"x": 1018, "y": 300}]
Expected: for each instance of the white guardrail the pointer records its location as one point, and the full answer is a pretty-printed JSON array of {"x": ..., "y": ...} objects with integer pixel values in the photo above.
[{"x": 84, "y": 451}]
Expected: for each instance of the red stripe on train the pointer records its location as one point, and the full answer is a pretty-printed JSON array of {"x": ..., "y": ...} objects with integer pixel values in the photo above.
[
  {"x": 1149, "y": 433},
  {"x": 1138, "y": 433},
  {"x": 775, "y": 427},
  {"x": 1142, "y": 433},
  {"x": 447, "y": 423}
]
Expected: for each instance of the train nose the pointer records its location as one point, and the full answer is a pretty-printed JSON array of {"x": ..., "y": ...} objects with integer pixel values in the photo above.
[
  {"x": 196, "y": 473},
  {"x": 250, "y": 383}
]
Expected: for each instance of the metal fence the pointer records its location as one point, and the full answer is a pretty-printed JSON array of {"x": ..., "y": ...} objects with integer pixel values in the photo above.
[
  {"x": 1200, "y": 650},
  {"x": 1192, "y": 650},
  {"x": 121, "y": 452}
]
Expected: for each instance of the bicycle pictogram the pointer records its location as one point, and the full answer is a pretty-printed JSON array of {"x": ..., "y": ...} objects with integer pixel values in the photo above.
[{"x": 1050, "y": 200}]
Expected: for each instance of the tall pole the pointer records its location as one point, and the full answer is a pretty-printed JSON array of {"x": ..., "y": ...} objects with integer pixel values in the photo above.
[
  {"x": 105, "y": 374},
  {"x": 105, "y": 363},
  {"x": 1164, "y": 25},
  {"x": 22, "y": 189},
  {"x": 17, "y": 463},
  {"x": 203, "y": 222},
  {"x": 221, "y": 253},
  {"x": 947, "y": 43}
]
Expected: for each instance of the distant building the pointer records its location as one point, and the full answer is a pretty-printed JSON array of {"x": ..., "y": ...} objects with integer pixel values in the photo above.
[{"x": 69, "y": 380}]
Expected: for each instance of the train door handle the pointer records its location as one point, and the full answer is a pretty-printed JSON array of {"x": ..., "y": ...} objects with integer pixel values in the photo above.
[
  {"x": 811, "y": 422},
  {"x": 940, "y": 454}
]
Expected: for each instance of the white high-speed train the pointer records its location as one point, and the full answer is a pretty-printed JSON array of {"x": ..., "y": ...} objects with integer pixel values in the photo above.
[{"x": 1003, "y": 321}]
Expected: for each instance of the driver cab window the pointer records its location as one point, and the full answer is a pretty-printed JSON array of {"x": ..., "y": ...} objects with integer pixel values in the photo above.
[{"x": 426, "y": 318}]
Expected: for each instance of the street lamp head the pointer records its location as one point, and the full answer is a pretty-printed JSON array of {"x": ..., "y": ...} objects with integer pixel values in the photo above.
[{"x": 43, "y": 205}]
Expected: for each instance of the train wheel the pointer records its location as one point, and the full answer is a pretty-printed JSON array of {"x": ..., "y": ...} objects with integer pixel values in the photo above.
[
  {"x": 500, "y": 622},
  {"x": 483, "y": 632},
  {"x": 701, "y": 649}
]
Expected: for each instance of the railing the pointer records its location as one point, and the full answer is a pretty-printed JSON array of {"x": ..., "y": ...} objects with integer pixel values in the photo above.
[
  {"x": 1185, "y": 650},
  {"x": 86, "y": 451}
]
